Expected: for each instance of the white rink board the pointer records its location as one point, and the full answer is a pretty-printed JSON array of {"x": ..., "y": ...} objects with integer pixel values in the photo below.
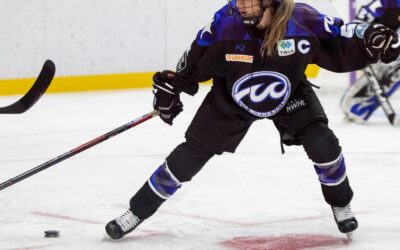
[{"x": 102, "y": 36}]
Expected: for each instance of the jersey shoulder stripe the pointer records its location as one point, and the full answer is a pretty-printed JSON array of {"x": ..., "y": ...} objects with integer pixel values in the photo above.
[{"x": 224, "y": 26}]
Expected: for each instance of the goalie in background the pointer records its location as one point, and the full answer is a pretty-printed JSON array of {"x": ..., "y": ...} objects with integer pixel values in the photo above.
[{"x": 359, "y": 101}]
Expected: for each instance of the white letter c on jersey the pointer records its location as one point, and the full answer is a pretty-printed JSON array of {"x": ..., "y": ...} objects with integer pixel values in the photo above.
[{"x": 304, "y": 46}]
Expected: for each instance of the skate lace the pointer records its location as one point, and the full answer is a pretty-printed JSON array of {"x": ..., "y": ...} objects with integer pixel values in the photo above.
[
  {"x": 342, "y": 213},
  {"x": 127, "y": 221}
]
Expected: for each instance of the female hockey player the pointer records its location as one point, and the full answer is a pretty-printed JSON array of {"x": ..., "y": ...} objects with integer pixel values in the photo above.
[
  {"x": 256, "y": 52},
  {"x": 359, "y": 101}
]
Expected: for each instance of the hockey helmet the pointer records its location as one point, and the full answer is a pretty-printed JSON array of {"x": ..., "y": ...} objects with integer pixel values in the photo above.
[{"x": 256, "y": 9}]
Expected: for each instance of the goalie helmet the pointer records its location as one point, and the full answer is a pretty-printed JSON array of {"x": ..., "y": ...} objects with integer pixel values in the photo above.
[{"x": 251, "y": 11}]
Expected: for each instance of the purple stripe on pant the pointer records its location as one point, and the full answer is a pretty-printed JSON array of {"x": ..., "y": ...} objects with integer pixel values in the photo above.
[{"x": 331, "y": 173}]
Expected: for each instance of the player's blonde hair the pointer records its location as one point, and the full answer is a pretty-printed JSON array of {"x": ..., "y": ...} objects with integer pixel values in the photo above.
[{"x": 277, "y": 29}]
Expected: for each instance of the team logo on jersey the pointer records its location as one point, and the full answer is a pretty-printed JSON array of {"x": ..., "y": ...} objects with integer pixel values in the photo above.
[
  {"x": 239, "y": 58},
  {"x": 286, "y": 47},
  {"x": 240, "y": 47},
  {"x": 295, "y": 105},
  {"x": 263, "y": 93}
]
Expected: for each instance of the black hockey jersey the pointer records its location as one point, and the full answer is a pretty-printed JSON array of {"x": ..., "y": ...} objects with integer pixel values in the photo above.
[{"x": 229, "y": 52}]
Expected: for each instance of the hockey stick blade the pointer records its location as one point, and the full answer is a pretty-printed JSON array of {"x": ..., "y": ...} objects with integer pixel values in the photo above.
[
  {"x": 382, "y": 98},
  {"x": 35, "y": 92},
  {"x": 79, "y": 149}
]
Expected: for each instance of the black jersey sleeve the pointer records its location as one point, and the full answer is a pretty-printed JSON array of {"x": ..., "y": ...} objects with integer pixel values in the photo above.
[
  {"x": 341, "y": 53},
  {"x": 187, "y": 78},
  {"x": 188, "y": 73},
  {"x": 212, "y": 64},
  {"x": 338, "y": 47}
]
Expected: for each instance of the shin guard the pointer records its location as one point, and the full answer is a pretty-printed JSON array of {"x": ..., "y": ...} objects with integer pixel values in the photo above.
[
  {"x": 334, "y": 182},
  {"x": 161, "y": 185},
  {"x": 331, "y": 173},
  {"x": 163, "y": 182}
]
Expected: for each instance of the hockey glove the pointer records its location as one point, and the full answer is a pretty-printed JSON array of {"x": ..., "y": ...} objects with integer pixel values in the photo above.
[
  {"x": 392, "y": 50},
  {"x": 380, "y": 42},
  {"x": 166, "y": 97}
]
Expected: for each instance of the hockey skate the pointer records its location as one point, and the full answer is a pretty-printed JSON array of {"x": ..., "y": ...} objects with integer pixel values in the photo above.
[
  {"x": 345, "y": 219},
  {"x": 120, "y": 226}
]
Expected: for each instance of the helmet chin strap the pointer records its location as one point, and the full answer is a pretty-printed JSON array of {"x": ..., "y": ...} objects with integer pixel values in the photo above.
[
  {"x": 256, "y": 19},
  {"x": 252, "y": 20}
]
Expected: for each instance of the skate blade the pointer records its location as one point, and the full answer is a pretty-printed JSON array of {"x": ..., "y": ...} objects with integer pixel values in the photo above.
[
  {"x": 350, "y": 236},
  {"x": 107, "y": 238},
  {"x": 396, "y": 122}
]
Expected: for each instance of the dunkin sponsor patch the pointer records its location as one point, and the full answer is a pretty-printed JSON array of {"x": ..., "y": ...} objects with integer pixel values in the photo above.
[{"x": 239, "y": 58}]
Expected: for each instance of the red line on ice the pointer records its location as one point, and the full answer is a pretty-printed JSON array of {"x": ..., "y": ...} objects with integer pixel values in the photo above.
[
  {"x": 245, "y": 223},
  {"x": 284, "y": 242},
  {"x": 238, "y": 223},
  {"x": 65, "y": 217},
  {"x": 31, "y": 248}
]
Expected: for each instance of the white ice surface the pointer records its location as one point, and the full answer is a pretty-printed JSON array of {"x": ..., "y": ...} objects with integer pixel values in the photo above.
[{"x": 256, "y": 192}]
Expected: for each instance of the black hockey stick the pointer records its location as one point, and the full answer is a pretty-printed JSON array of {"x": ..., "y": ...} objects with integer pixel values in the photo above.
[
  {"x": 382, "y": 98},
  {"x": 37, "y": 90},
  {"x": 77, "y": 150}
]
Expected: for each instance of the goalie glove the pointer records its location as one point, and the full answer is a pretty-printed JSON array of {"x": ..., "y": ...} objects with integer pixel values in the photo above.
[
  {"x": 380, "y": 42},
  {"x": 166, "y": 97}
]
